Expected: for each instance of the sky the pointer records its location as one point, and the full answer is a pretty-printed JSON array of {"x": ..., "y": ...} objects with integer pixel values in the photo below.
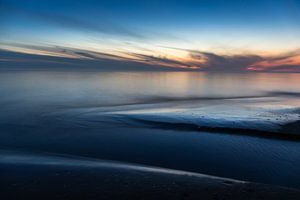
[{"x": 196, "y": 35}]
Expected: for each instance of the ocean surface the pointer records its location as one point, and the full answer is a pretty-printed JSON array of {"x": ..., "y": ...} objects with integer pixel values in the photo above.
[{"x": 239, "y": 126}]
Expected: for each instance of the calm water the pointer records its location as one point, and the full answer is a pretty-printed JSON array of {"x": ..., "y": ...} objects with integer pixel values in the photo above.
[
  {"x": 149, "y": 118},
  {"x": 85, "y": 88}
]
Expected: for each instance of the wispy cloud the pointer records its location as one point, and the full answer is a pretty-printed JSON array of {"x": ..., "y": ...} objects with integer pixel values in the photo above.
[
  {"x": 196, "y": 60},
  {"x": 212, "y": 62},
  {"x": 158, "y": 60},
  {"x": 81, "y": 60},
  {"x": 102, "y": 25},
  {"x": 288, "y": 62}
]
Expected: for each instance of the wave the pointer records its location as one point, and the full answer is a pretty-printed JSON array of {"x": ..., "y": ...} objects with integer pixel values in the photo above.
[
  {"x": 245, "y": 115},
  {"x": 284, "y": 93},
  {"x": 288, "y": 131},
  {"x": 134, "y": 100},
  {"x": 160, "y": 99},
  {"x": 49, "y": 159},
  {"x": 233, "y": 117}
]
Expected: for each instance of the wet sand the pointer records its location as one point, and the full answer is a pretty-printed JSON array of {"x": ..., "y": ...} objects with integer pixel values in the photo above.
[
  {"x": 62, "y": 177},
  {"x": 293, "y": 128}
]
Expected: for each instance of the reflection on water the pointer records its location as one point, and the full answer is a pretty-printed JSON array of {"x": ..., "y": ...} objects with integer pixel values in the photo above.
[{"x": 87, "y": 88}]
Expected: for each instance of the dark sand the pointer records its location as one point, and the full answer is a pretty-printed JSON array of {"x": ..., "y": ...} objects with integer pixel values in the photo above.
[
  {"x": 51, "y": 177},
  {"x": 293, "y": 128}
]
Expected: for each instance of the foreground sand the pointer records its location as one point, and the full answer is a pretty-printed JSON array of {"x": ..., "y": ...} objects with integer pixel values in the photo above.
[{"x": 32, "y": 176}]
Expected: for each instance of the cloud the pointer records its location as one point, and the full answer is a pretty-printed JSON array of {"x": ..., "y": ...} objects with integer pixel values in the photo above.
[
  {"x": 213, "y": 62},
  {"x": 60, "y": 51},
  {"x": 288, "y": 62},
  {"x": 101, "y": 25},
  {"x": 288, "y": 69},
  {"x": 73, "y": 56},
  {"x": 10, "y": 60},
  {"x": 58, "y": 56},
  {"x": 164, "y": 61},
  {"x": 241, "y": 63}
]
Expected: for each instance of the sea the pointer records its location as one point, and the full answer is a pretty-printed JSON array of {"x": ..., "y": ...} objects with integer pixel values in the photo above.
[{"x": 243, "y": 126}]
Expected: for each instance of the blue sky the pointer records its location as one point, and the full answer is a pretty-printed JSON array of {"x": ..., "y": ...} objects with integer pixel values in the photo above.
[{"x": 152, "y": 31}]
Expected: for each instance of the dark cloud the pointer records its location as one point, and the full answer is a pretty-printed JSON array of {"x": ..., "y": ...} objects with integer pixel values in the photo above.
[
  {"x": 214, "y": 62},
  {"x": 160, "y": 60},
  {"x": 285, "y": 68},
  {"x": 67, "y": 52},
  {"x": 62, "y": 57},
  {"x": 20, "y": 61}
]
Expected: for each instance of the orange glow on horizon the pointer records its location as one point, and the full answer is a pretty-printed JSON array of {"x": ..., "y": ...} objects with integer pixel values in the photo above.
[{"x": 289, "y": 61}]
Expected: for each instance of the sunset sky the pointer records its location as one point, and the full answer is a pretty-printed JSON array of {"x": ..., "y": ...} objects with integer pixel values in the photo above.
[{"x": 200, "y": 35}]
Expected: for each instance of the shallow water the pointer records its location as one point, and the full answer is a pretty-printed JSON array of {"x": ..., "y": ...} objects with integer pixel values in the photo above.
[{"x": 156, "y": 119}]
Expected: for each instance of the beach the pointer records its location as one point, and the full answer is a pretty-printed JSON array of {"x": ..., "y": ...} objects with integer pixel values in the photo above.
[{"x": 99, "y": 140}]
